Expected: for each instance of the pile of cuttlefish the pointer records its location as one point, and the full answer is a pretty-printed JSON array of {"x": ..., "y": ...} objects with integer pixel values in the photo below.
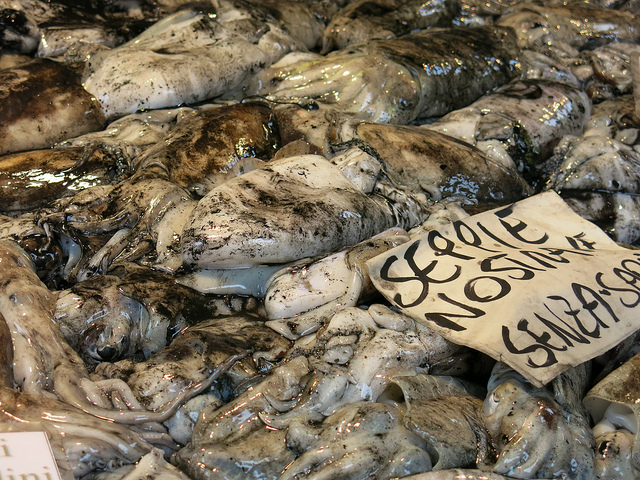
[{"x": 189, "y": 194}]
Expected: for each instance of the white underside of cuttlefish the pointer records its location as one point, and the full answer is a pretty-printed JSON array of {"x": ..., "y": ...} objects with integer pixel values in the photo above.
[{"x": 301, "y": 297}]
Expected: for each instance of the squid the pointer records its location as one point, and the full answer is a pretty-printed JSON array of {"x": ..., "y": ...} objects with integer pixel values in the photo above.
[
  {"x": 30, "y": 180},
  {"x": 144, "y": 214},
  {"x": 358, "y": 441},
  {"x": 293, "y": 208},
  {"x": 607, "y": 69},
  {"x": 446, "y": 412},
  {"x": 83, "y": 441},
  {"x": 230, "y": 441},
  {"x": 212, "y": 145},
  {"x": 195, "y": 353},
  {"x": 355, "y": 355},
  {"x": 301, "y": 297},
  {"x": 564, "y": 30},
  {"x": 597, "y": 177},
  {"x": 134, "y": 311},
  {"x": 439, "y": 166},
  {"x": 151, "y": 466},
  {"x": 615, "y": 414}
]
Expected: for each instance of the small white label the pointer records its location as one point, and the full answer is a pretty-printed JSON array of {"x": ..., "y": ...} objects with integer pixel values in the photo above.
[
  {"x": 27, "y": 456},
  {"x": 533, "y": 285}
]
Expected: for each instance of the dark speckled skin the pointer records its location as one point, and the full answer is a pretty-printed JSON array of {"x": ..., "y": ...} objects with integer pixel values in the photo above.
[
  {"x": 455, "y": 65},
  {"x": 423, "y": 74},
  {"x": 365, "y": 19},
  {"x": 292, "y": 208},
  {"x": 6, "y": 354},
  {"x": 17, "y": 32},
  {"x": 213, "y": 141},
  {"x": 100, "y": 316},
  {"x": 30, "y": 180},
  {"x": 422, "y": 159},
  {"x": 578, "y": 25},
  {"x": 195, "y": 353},
  {"x": 41, "y": 103},
  {"x": 296, "y": 18}
]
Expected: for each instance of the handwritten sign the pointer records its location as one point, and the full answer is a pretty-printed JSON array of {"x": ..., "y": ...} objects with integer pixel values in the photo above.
[
  {"x": 27, "y": 456},
  {"x": 533, "y": 285}
]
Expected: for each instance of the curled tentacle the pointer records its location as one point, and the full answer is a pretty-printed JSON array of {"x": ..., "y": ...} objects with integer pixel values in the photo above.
[
  {"x": 239, "y": 417},
  {"x": 88, "y": 442},
  {"x": 534, "y": 435},
  {"x": 358, "y": 441},
  {"x": 76, "y": 395},
  {"x": 320, "y": 395}
]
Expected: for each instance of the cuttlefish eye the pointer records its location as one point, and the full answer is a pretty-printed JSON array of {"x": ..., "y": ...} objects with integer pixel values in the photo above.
[
  {"x": 105, "y": 344},
  {"x": 491, "y": 403},
  {"x": 107, "y": 353}
]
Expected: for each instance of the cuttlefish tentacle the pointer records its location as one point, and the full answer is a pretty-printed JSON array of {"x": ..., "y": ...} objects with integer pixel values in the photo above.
[
  {"x": 75, "y": 393},
  {"x": 85, "y": 441},
  {"x": 45, "y": 364}
]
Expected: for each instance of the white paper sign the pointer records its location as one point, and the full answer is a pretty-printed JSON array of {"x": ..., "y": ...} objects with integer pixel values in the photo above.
[
  {"x": 533, "y": 285},
  {"x": 27, "y": 456}
]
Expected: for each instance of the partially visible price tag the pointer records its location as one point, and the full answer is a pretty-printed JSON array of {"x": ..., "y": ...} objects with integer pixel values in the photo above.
[{"x": 27, "y": 456}]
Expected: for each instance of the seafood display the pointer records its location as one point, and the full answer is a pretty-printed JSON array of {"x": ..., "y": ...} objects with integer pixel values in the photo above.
[
  {"x": 189, "y": 196},
  {"x": 193, "y": 56}
]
